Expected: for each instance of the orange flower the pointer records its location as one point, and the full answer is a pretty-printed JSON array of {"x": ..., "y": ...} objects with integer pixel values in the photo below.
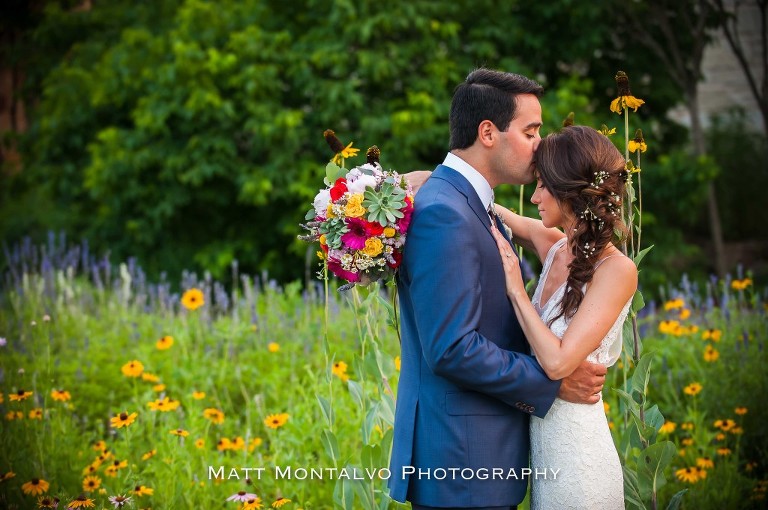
[
  {"x": 275, "y": 421},
  {"x": 19, "y": 396},
  {"x": 193, "y": 299},
  {"x": 215, "y": 415},
  {"x": 164, "y": 343},
  {"x": 133, "y": 368},
  {"x": 35, "y": 486},
  {"x": 60, "y": 395}
]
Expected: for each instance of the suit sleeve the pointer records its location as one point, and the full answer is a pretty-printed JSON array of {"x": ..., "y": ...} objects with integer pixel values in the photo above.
[{"x": 444, "y": 273}]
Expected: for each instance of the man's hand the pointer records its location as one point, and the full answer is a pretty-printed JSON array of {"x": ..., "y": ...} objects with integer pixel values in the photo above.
[{"x": 584, "y": 385}]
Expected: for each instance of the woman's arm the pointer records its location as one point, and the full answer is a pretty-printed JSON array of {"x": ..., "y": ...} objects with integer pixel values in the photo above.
[
  {"x": 614, "y": 282},
  {"x": 530, "y": 233}
]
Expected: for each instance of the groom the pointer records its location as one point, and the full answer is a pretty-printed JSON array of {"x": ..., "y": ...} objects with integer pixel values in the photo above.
[{"x": 467, "y": 382}]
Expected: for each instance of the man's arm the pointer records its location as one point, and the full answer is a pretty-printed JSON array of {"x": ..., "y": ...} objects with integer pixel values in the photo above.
[{"x": 583, "y": 386}]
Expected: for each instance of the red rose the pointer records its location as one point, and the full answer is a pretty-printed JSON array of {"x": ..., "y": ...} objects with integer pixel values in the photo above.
[
  {"x": 374, "y": 228},
  {"x": 338, "y": 189}
]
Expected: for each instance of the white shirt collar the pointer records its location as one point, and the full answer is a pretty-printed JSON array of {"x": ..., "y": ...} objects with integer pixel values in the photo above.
[{"x": 475, "y": 178}]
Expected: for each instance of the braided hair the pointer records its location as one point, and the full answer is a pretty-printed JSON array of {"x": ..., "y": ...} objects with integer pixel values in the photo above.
[{"x": 586, "y": 174}]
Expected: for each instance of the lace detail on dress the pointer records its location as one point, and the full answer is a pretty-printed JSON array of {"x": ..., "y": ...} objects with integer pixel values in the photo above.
[{"x": 575, "y": 438}]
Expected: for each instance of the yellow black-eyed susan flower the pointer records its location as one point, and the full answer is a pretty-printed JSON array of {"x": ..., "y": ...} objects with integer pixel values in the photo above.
[
  {"x": 254, "y": 443},
  {"x": 693, "y": 389},
  {"x": 47, "y": 502},
  {"x": 223, "y": 444},
  {"x": 200, "y": 443},
  {"x": 149, "y": 454},
  {"x": 123, "y": 419},
  {"x": 214, "y": 415},
  {"x": 198, "y": 395},
  {"x": 164, "y": 405},
  {"x": 340, "y": 151},
  {"x": 741, "y": 284},
  {"x": 7, "y": 476},
  {"x": 81, "y": 502},
  {"x": 164, "y": 343},
  {"x": 339, "y": 369},
  {"x": 35, "y": 486},
  {"x": 711, "y": 354},
  {"x": 280, "y": 502},
  {"x": 60, "y": 395},
  {"x": 741, "y": 411},
  {"x": 638, "y": 143},
  {"x": 668, "y": 427},
  {"x": 253, "y": 504},
  {"x": 688, "y": 475},
  {"x": 607, "y": 132},
  {"x": 705, "y": 463},
  {"x": 193, "y": 299},
  {"x": 91, "y": 483},
  {"x": 99, "y": 446},
  {"x": 132, "y": 368},
  {"x": 146, "y": 376},
  {"x": 158, "y": 388},
  {"x": 724, "y": 452},
  {"x": 275, "y": 421},
  {"x": 141, "y": 490},
  {"x": 625, "y": 98},
  {"x": 273, "y": 346},
  {"x": 712, "y": 334},
  {"x": 180, "y": 432},
  {"x": 20, "y": 395},
  {"x": 36, "y": 414},
  {"x": 237, "y": 444}
]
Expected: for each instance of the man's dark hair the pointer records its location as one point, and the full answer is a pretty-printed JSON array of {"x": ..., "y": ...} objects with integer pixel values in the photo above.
[{"x": 486, "y": 95}]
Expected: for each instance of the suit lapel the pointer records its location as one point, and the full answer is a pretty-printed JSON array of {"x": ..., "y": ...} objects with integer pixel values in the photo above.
[{"x": 463, "y": 186}]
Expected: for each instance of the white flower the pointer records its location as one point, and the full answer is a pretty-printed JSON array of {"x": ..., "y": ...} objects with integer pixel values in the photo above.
[
  {"x": 46, "y": 318},
  {"x": 321, "y": 202},
  {"x": 362, "y": 182},
  {"x": 3, "y": 342}
]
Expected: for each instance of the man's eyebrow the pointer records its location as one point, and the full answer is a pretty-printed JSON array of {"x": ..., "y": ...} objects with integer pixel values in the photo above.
[{"x": 534, "y": 125}]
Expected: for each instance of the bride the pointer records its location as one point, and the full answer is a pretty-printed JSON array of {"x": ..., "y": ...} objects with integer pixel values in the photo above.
[{"x": 577, "y": 310}]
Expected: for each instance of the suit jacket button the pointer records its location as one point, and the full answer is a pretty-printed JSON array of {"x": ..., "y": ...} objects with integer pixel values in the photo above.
[{"x": 532, "y": 409}]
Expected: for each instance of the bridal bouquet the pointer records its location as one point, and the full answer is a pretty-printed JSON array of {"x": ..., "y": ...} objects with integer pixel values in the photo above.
[{"x": 360, "y": 217}]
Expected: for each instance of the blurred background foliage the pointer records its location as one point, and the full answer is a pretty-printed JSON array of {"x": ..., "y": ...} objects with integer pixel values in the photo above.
[{"x": 188, "y": 133}]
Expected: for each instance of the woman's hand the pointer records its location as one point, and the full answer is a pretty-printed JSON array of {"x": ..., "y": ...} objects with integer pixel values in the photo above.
[
  {"x": 417, "y": 178},
  {"x": 511, "y": 264}
]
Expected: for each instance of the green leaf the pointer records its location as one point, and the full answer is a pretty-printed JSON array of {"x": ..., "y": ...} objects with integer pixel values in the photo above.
[
  {"x": 637, "y": 302},
  {"x": 651, "y": 464},
  {"x": 357, "y": 393},
  {"x": 676, "y": 500},
  {"x": 332, "y": 173},
  {"x": 642, "y": 374},
  {"x": 631, "y": 492},
  {"x": 641, "y": 255},
  {"x": 327, "y": 410},
  {"x": 331, "y": 445}
]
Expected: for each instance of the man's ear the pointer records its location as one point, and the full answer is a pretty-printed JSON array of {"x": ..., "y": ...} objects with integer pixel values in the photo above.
[{"x": 486, "y": 133}]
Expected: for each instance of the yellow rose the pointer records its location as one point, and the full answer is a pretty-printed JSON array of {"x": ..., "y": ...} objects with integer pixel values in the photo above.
[
  {"x": 389, "y": 232},
  {"x": 373, "y": 246},
  {"x": 355, "y": 207}
]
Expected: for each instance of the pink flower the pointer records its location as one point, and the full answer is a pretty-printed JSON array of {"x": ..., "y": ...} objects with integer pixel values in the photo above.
[
  {"x": 335, "y": 267},
  {"x": 405, "y": 222},
  {"x": 357, "y": 235}
]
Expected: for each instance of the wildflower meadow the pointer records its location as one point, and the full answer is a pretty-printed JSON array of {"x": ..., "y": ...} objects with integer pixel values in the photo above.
[{"x": 117, "y": 391}]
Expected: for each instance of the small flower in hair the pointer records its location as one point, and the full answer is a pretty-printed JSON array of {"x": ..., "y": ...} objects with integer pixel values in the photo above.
[
  {"x": 587, "y": 214},
  {"x": 588, "y": 250},
  {"x": 600, "y": 177},
  {"x": 638, "y": 143},
  {"x": 625, "y": 99}
]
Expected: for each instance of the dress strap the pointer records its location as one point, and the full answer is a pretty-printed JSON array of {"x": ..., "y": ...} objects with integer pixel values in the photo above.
[{"x": 606, "y": 258}]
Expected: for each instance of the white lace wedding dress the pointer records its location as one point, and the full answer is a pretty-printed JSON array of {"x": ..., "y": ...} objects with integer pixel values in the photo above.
[{"x": 575, "y": 438}]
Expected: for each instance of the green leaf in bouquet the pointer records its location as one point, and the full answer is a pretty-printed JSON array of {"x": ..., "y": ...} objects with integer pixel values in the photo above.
[
  {"x": 333, "y": 230},
  {"x": 311, "y": 214},
  {"x": 332, "y": 173},
  {"x": 384, "y": 205}
]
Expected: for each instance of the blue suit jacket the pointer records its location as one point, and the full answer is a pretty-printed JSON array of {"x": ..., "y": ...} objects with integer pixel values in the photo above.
[{"x": 467, "y": 383}]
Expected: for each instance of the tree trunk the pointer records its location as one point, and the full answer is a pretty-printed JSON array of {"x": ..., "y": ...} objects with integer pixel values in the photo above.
[{"x": 700, "y": 149}]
